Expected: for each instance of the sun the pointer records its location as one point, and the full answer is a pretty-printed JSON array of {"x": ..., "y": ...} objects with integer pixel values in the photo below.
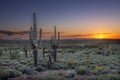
[{"x": 100, "y": 36}]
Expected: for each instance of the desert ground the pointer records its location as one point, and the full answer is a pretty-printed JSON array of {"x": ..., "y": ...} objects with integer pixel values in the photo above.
[{"x": 76, "y": 60}]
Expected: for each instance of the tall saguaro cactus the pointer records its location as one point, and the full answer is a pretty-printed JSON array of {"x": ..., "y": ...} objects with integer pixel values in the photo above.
[
  {"x": 58, "y": 38},
  {"x": 33, "y": 39},
  {"x": 40, "y": 37},
  {"x": 34, "y": 26},
  {"x": 31, "y": 36},
  {"x": 54, "y": 43},
  {"x": 26, "y": 51}
]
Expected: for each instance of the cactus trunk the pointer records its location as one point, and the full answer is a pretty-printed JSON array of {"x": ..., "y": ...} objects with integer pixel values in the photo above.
[
  {"x": 26, "y": 52},
  {"x": 55, "y": 54},
  {"x": 35, "y": 51},
  {"x": 43, "y": 51},
  {"x": 49, "y": 61},
  {"x": 40, "y": 37}
]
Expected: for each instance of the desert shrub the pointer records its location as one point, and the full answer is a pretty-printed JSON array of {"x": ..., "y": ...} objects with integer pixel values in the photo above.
[
  {"x": 71, "y": 63},
  {"x": 30, "y": 77},
  {"x": 27, "y": 70},
  {"x": 100, "y": 48},
  {"x": 67, "y": 74},
  {"x": 70, "y": 74},
  {"x": 81, "y": 70},
  {"x": 9, "y": 73},
  {"x": 119, "y": 71},
  {"x": 97, "y": 67},
  {"x": 1, "y": 52},
  {"x": 98, "y": 52},
  {"x": 105, "y": 70},
  {"x": 31, "y": 64},
  {"x": 14, "y": 55},
  {"x": 4, "y": 64},
  {"x": 55, "y": 66},
  {"x": 18, "y": 66},
  {"x": 109, "y": 77},
  {"x": 97, "y": 70},
  {"x": 59, "y": 65},
  {"x": 71, "y": 51},
  {"x": 44, "y": 64},
  {"x": 92, "y": 77},
  {"x": 23, "y": 62},
  {"x": 51, "y": 76},
  {"x": 63, "y": 66},
  {"x": 39, "y": 68}
]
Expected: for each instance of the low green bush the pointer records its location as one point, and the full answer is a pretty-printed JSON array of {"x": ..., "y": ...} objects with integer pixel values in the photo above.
[
  {"x": 39, "y": 68},
  {"x": 81, "y": 70},
  {"x": 9, "y": 73},
  {"x": 70, "y": 74},
  {"x": 51, "y": 76},
  {"x": 14, "y": 55},
  {"x": 95, "y": 72},
  {"x": 70, "y": 63},
  {"x": 55, "y": 67},
  {"x": 27, "y": 70},
  {"x": 99, "y": 52},
  {"x": 109, "y": 77}
]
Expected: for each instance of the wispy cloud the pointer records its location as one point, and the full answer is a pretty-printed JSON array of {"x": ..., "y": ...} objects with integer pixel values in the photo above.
[
  {"x": 84, "y": 35},
  {"x": 51, "y": 32},
  {"x": 10, "y": 33},
  {"x": 101, "y": 33},
  {"x": 78, "y": 35},
  {"x": 21, "y": 34}
]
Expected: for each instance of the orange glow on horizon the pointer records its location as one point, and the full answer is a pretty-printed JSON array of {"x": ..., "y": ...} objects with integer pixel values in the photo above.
[
  {"x": 107, "y": 36},
  {"x": 100, "y": 36}
]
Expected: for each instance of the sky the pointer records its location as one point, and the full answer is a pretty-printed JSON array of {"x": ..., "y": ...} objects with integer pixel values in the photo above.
[{"x": 73, "y": 18}]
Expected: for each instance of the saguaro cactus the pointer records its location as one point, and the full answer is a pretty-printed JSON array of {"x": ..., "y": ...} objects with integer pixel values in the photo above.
[
  {"x": 26, "y": 51},
  {"x": 40, "y": 37},
  {"x": 10, "y": 49},
  {"x": 58, "y": 36},
  {"x": 43, "y": 51},
  {"x": 54, "y": 43},
  {"x": 31, "y": 36},
  {"x": 49, "y": 61},
  {"x": 33, "y": 39},
  {"x": 0, "y": 52}
]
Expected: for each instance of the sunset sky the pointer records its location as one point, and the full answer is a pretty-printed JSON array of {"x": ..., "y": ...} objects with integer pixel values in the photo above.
[{"x": 73, "y": 18}]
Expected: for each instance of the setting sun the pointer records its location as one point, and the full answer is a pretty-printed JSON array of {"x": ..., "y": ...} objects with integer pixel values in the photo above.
[{"x": 100, "y": 36}]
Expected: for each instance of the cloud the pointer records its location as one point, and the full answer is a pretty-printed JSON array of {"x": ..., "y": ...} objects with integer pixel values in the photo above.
[
  {"x": 10, "y": 33},
  {"x": 52, "y": 32},
  {"x": 85, "y": 35},
  {"x": 21, "y": 34},
  {"x": 79, "y": 35},
  {"x": 102, "y": 33},
  {"x": 48, "y": 33}
]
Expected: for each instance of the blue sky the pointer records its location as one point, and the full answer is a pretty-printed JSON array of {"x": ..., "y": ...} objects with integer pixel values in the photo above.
[{"x": 65, "y": 14}]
